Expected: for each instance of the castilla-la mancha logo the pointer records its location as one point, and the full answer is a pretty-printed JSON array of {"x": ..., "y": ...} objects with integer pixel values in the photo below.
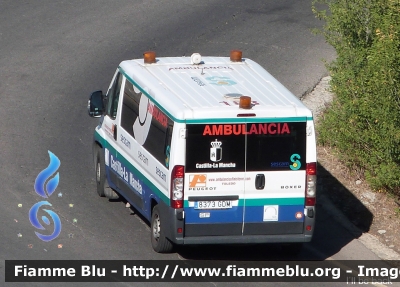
[
  {"x": 46, "y": 191},
  {"x": 216, "y": 151}
]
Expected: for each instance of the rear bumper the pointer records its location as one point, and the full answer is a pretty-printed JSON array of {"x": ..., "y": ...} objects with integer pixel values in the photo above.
[
  {"x": 175, "y": 219},
  {"x": 245, "y": 239}
]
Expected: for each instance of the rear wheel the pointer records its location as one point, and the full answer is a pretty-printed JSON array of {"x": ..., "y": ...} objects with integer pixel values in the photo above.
[
  {"x": 103, "y": 189},
  {"x": 159, "y": 242},
  {"x": 292, "y": 248}
]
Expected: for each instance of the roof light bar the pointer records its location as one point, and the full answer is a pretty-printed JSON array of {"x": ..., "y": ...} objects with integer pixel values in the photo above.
[
  {"x": 149, "y": 57},
  {"x": 245, "y": 102},
  {"x": 236, "y": 56}
]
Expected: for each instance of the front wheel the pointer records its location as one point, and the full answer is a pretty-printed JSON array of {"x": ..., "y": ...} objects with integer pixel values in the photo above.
[
  {"x": 102, "y": 185},
  {"x": 100, "y": 172},
  {"x": 159, "y": 242}
]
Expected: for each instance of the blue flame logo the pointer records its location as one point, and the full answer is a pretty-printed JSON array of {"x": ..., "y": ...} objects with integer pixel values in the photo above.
[
  {"x": 45, "y": 174},
  {"x": 51, "y": 186},
  {"x": 35, "y": 222}
]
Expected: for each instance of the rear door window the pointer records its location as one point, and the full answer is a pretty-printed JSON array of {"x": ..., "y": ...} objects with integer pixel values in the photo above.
[
  {"x": 246, "y": 147},
  {"x": 281, "y": 147},
  {"x": 213, "y": 148}
]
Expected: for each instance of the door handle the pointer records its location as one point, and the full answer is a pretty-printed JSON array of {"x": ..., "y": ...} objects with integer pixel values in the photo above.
[
  {"x": 260, "y": 181},
  {"x": 115, "y": 131}
]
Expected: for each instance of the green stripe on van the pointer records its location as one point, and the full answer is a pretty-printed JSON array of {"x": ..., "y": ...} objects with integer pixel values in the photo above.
[
  {"x": 273, "y": 201},
  {"x": 249, "y": 120},
  {"x": 214, "y": 120},
  {"x": 138, "y": 174},
  {"x": 267, "y": 201}
]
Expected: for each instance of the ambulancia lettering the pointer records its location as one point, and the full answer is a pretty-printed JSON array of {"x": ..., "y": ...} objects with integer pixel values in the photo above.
[
  {"x": 242, "y": 129},
  {"x": 202, "y": 68},
  {"x": 158, "y": 115}
]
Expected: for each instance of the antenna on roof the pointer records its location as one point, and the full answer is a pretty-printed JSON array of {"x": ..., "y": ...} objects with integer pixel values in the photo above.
[{"x": 195, "y": 58}]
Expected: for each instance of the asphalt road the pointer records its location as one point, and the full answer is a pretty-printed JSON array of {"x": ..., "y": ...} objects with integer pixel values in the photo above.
[{"x": 54, "y": 53}]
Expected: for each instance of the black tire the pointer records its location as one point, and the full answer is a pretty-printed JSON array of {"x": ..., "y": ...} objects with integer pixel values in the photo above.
[
  {"x": 159, "y": 242},
  {"x": 103, "y": 189},
  {"x": 110, "y": 193},
  {"x": 292, "y": 248},
  {"x": 100, "y": 171}
]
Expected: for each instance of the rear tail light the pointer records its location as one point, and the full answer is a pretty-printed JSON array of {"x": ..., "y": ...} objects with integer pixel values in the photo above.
[
  {"x": 311, "y": 183},
  {"x": 176, "y": 195}
]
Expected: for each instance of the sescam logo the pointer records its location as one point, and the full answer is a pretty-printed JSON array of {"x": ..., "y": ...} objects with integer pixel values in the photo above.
[
  {"x": 296, "y": 163},
  {"x": 199, "y": 182},
  {"x": 221, "y": 81},
  {"x": 280, "y": 164}
]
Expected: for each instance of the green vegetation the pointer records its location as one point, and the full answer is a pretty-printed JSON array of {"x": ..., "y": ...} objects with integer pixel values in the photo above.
[
  {"x": 363, "y": 122},
  {"x": 397, "y": 211}
]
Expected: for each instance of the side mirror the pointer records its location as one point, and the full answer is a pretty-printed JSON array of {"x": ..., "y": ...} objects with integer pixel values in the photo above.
[{"x": 96, "y": 104}]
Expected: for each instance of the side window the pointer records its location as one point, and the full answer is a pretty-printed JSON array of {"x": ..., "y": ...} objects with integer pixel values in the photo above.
[
  {"x": 113, "y": 96},
  {"x": 130, "y": 108},
  {"x": 153, "y": 127}
]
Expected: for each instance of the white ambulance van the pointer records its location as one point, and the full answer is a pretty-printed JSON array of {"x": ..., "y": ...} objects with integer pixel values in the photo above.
[{"x": 210, "y": 150}]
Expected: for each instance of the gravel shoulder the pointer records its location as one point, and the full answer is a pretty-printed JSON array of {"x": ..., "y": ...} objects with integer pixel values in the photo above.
[{"x": 369, "y": 215}]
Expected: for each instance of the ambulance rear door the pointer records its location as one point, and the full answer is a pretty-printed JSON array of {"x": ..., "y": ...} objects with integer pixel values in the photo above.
[
  {"x": 214, "y": 179},
  {"x": 274, "y": 196}
]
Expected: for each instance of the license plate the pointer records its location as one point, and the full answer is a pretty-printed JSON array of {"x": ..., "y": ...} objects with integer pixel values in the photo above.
[{"x": 215, "y": 204}]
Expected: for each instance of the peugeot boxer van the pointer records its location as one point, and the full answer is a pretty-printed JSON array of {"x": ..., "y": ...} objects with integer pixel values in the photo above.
[{"x": 210, "y": 150}]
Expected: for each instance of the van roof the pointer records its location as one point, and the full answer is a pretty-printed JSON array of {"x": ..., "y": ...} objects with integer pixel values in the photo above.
[{"x": 210, "y": 90}]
